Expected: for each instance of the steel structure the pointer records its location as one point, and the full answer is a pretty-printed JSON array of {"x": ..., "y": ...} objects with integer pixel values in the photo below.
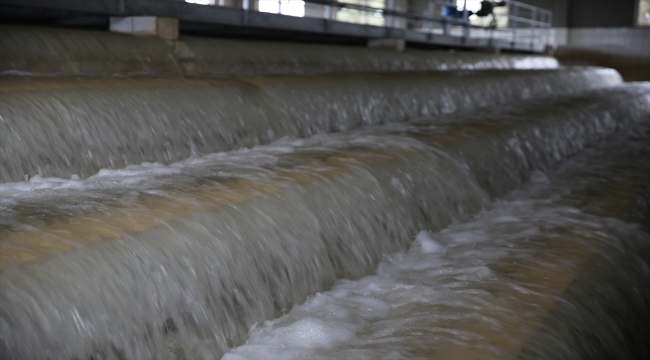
[{"x": 528, "y": 29}]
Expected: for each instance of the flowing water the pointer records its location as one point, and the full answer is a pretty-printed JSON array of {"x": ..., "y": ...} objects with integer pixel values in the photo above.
[
  {"x": 180, "y": 260},
  {"x": 209, "y": 198},
  {"x": 167, "y": 120},
  {"x": 478, "y": 290}
]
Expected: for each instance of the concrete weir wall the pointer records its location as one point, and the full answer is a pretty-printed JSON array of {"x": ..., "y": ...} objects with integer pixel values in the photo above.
[
  {"x": 60, "y": 51},
  {"x": 625, "y": 49},
  {"x": 250, "y": 93},
  {"x": 134, "y": 251},
  {"x": 51, "y": 126},
  {"x": 266, "y": 173}
]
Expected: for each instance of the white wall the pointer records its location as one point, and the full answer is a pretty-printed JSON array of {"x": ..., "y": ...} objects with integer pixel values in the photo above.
[{"x": 634, "y": 40}]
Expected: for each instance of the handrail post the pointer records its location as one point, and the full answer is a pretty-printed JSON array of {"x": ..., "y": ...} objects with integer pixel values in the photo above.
[
  {"x": 515, "y": 23},
  {"x": 465, "y": 22},
  {"x": 328, "y": 12},
  {"x": 534, "y": 27},
  {"x": 390, "y": 20},
  {"x": 447, "y": 25},
  {"x": 549, "y": 36},
  {"x": 244, "y": 6},
  {"x": 431, "y": 13}
]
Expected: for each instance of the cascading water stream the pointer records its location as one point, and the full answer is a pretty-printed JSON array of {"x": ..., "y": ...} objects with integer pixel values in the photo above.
[
  {"x": 180, "y": 260},
  {"x": 50, "y": 128},
  {"x": 479, "y": 289},
  {"x": 201, "y": 198}
]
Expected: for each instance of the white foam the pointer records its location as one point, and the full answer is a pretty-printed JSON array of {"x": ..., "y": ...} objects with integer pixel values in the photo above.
[
  {"x": 426, "y": 243},
  {"x": 421, "y": 299},
  {"x": 148, "y": 175}
]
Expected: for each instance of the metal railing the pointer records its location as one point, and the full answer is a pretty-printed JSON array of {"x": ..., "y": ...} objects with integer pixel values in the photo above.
[
  {"x": 524, "y": 24},
  {"x": 537, "y": 26}
]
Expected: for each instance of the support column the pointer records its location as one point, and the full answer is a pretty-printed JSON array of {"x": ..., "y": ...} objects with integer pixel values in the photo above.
[{"x": 165, "y": 28}]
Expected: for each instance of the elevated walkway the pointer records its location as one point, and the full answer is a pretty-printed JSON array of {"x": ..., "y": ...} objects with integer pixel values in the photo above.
[{"x": 426, "y": 25}]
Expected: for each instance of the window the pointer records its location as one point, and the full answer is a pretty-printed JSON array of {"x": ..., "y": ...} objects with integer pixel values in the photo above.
[
  {"x": 643, "y": 13},
  {"x": 363, "y": 17},
  {"x": 472, "y": 5},
  {"x": 284, "y": 7},
  {"x": 500, "y": 13},
  {"x": 201, "y": 2}
]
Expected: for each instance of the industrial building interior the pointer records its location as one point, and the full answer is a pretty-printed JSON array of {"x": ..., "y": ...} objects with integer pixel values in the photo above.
[{"x": 324, "y": 179}]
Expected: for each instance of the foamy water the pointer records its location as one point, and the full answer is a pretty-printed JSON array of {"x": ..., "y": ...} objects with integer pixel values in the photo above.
[
  {"x": 181, "y": 260},
  {"x": 50, "y": 128},
  {"x": 481, "y": 289},
  {"x": 452, "y": 295}
]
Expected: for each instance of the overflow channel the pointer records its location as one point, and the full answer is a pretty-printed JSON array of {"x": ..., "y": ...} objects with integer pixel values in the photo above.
[{"x": 250, "y": 214}]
